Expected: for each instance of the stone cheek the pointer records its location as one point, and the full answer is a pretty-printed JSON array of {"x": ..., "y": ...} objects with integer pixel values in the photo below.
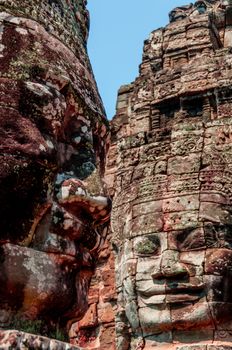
[{"x": 171, "y": 175}]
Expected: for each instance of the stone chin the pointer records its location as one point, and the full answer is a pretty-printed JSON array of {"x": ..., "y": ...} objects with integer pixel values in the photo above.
[
  {"x": 157, "y": 319},
  {"x": 156, "y": 314}
]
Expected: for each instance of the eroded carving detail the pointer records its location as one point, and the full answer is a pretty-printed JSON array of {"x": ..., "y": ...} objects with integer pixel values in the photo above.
[
  {"x": 171, "y": 216},
  {"x": 53, "y": 140}
]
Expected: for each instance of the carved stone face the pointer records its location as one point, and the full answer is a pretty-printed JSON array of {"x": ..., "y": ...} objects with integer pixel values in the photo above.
[
  {"x": 173, "y": 232},
  {"x": 53, "y": 139},
  {"x": 171, "y": 216}
]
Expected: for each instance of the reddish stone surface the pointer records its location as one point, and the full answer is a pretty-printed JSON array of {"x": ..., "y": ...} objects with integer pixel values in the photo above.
[
  {"x": 167, "y": 284},
  {"x": 53, "y": 142},
  {"x": 97, "y": 329}
]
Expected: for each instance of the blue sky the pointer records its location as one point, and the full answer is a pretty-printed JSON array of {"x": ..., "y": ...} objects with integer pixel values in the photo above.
[{"x": 117, "y": 31}]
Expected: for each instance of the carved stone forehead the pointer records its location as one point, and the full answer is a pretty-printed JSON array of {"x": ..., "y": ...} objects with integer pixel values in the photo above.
[
  {"x": 66, "y": 19},
  {"x": 177, "y": 186},
  {"x": 63, "y": 5}
]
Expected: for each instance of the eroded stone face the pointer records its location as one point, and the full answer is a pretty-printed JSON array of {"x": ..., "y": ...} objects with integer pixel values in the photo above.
[
  {"x": 53, "y": 139},
  {"x": 174, "y": 264},
  {"x": 171, "y": 214}
]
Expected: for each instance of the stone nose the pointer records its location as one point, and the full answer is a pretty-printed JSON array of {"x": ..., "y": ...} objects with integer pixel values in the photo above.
[{"x": 170, "y": 266}]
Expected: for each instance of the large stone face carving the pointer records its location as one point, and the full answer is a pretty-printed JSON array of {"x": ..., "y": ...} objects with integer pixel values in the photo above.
[
  {"x": 171, "y": 216},
  {"x": 53, "y": 138}
]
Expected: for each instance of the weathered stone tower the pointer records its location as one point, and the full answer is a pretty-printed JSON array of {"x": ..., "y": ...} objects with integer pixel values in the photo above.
[
  {"x": 169, "y": 170},
  {"x": 172, "y": 155}
]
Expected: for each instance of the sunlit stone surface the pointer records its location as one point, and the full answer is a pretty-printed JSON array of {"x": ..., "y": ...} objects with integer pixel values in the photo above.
[{"x": 171, "y": 218}]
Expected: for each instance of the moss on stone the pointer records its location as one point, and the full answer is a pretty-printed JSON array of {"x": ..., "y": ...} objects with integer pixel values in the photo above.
[
  {"x": 147, "y": 246},
  {"x": 38, "y": 327}
]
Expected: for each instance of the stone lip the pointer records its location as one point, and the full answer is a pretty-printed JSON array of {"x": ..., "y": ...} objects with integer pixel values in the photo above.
[
  {"x": 75, "y": 192},
  {"x": 173, "y": 295},
  {"x": 14, "y": 339},
  {"x": 185, "y": 289}
]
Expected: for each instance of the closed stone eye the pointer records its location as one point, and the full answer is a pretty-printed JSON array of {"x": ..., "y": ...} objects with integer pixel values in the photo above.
[
  {"x": 147, "y": 247},
  {"x": 192, "y": 240},
  {"x": 192, "y": 243}
]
